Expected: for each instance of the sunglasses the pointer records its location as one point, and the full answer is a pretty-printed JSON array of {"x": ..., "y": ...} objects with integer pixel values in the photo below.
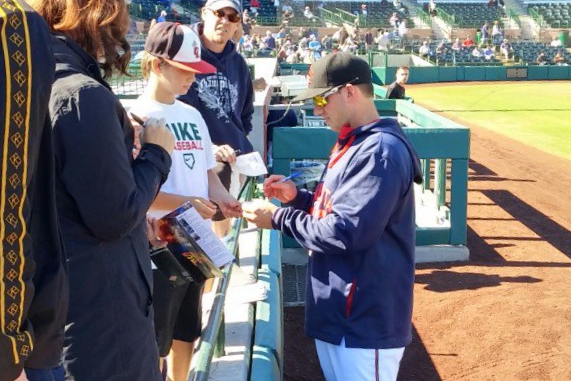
[
  {"x": 321, "y": 100},
  {"x": 232, "y": 17}
]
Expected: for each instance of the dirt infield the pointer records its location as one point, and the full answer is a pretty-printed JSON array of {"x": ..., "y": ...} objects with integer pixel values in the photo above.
[{"x": 506, "y": 314}]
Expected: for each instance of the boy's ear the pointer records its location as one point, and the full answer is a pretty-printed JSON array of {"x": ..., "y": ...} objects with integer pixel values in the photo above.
[{"x": 156, "y": 66}]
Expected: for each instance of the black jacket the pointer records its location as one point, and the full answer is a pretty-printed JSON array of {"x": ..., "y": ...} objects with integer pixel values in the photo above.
[
  {"x": 102, "y": 198},
  {"x": 33, "y": 328}
]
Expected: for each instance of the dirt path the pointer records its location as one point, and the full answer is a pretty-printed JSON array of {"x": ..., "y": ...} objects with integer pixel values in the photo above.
[{"x": 506, "y": 314}]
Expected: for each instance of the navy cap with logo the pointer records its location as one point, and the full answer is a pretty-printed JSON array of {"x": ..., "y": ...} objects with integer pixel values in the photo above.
[
  {"x": 179, "y": 46},
  {"x": 334, "y": 70},
  {"x": 220, "y": 4}
]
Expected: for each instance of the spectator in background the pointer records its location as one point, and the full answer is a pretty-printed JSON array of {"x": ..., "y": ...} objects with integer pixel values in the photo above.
[
  {"x": 162, "y": 17},
  {"x": 541, "y": 59},
  {"x": 246, "y": 17},
  {"x": 432, "y": 8},
  {"x": 555, "y": 43},
  {"x": 394, "y": 20},
  {"x": 254, "y": 5},
  {"x": 424, "y": 50},
  {"x": 484, "y": 32},
  {"x": 488, "y": 53},
  {"x": 309, "y": 14},
  {"x": 302, "y": 33},
  {"x": 327, "y": 42},
  {"x": 559, "y": 59},
  {"x": 382, "y": 40},
  {"x": 34, "y": 292},
  {"x": 497, "y": 31},
  {"x": 369, "y": 39},
  {"x": 349, "y": 46},
  {"x": 402, "y": 30},
  {"x": 506, "y": 48},
  {"x": 457, "y": 45},
  {"x": 476, "y": 53},
  {"x": 441, "y": 48},
  {"x": 270, "y": 41},
  {"x": 314, "y": 46},
  {"x": 364, "y": 10},
  {"x": 103, "y": 194},
  {"x": 287, "y": 12},
  {"x": 396, "y": 90},
  {"x": 468, "y": 42},
  {"x": 246, "y": 25},
  {"x": 397, "y": 4}
]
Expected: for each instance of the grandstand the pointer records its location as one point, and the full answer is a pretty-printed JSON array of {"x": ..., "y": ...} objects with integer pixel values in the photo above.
[
  {"x": 554, "y": 15},
  {"x": 529, "y": 27}
]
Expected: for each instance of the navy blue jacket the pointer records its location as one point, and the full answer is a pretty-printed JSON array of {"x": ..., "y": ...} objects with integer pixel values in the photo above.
[
  {"x": 32, "y": 279},
  {"x": 225, "y": 99},
  {"x": 103, "y": 196},
  {"x": 361, "y": 234}
]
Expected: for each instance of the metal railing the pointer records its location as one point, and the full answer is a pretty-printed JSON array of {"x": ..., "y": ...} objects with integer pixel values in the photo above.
[
  {"x": 346, "y": 17},
  {"x": 515, "y": 17},
  {"x": 424, "y": 17},
  {"x": 331, "y": 17},
  {"x": 447, "y": 18},
  {"x": 213, "y": 337}
]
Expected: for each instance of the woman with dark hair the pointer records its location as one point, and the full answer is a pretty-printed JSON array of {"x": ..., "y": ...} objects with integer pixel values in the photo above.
[{"x": 103, "y": 194}]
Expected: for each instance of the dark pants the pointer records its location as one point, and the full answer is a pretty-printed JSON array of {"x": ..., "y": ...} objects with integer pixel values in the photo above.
[{"x": 54, "y": 374}]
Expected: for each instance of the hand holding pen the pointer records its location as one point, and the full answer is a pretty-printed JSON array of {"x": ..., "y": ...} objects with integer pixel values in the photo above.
[
  {"x": 281, "y": 187},
  {"x": 225, "y": 153},
  {"x": 154, "y": 131}
]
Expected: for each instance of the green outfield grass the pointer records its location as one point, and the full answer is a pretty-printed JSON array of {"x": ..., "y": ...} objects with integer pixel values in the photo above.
[{"x": 534, "y": 113}]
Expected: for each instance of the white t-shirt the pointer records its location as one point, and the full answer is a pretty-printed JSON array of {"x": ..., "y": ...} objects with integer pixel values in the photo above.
[{"x": 192, "y": 156}]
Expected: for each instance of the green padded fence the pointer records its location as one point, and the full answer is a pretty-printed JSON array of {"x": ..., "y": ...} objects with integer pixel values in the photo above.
[
  {"x": 267, "y": 359},
  {"x": 433, "y": 74}
]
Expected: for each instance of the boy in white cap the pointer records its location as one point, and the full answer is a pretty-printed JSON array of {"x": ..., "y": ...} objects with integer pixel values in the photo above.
[{"x": 172, "y": 58}]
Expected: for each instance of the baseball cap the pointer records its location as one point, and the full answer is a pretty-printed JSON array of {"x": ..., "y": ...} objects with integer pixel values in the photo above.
[
  {"x": 334, "y": 70},
  {"x": 219, "y": 4},
  {"x": 179, "y": 46}
]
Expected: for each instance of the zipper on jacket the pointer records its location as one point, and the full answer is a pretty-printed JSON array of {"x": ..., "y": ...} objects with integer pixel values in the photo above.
[{"x": 350, "y": 297}]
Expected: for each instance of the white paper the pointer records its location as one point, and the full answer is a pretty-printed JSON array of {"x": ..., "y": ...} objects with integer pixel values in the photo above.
[
  {"x": 251, "y": 164},
  {"x": 199, "y": 229}
]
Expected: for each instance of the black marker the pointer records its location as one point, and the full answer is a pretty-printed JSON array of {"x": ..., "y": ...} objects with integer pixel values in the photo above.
[{"x": 138, "y": 119}]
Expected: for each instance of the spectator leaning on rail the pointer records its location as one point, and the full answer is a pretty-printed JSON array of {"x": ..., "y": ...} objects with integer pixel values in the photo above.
[
  {"x": 103, "y": 195},
  {"x": 225, "y": 98},
  {"x": 396, "y": 89},
  {"x": 359, "y": 226},
  {"x": 33, "y": 283}
]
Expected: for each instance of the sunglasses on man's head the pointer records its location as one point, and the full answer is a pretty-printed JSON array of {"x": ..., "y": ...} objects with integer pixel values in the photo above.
[{"x": 232, "y": 17}]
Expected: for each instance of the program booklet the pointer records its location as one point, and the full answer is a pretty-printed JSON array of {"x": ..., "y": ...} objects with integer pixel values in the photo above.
[{"x": 191, "y": 239}]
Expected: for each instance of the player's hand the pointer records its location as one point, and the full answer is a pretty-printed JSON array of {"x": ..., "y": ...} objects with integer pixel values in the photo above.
[
  {"x": 224, "y": 153},
  {"x": 204, "y": 207},
  {"x": 156, "y": 132},
  {"x": 284, "y": 192},
  {"x": 259, "y": 212}
]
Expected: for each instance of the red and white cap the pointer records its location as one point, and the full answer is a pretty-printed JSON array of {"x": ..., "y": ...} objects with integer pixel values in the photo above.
[{"x": 179, "y": 46}]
